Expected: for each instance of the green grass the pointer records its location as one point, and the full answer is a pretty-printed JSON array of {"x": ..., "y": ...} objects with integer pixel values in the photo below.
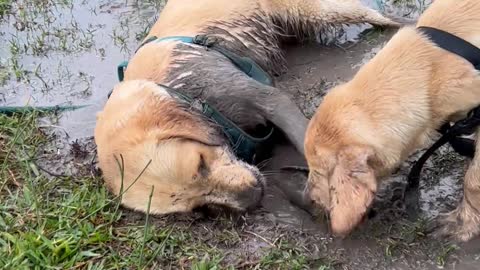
[
  {"x": 74, "y": 223},
  {"x": 288, "y": 256},
  {"x": 48, "y": 223},
  {"x": 4, "y": 7}
]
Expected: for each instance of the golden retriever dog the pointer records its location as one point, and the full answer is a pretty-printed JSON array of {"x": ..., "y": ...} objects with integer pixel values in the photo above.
[
  {"x": 393, "y": 106},
  {"x": 151, "y": 142}
]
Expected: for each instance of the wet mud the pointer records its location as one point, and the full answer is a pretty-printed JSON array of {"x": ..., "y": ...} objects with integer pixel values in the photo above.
[{"x": 68, "y": 55}]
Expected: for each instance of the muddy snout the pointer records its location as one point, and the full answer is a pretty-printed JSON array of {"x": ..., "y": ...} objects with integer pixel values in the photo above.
[{"x": 251, "y": 197}]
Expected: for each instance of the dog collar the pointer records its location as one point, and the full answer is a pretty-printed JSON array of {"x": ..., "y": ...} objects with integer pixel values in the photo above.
[
  {"x": 244, "y": 145},
  {"x": 451, "y": 134}
]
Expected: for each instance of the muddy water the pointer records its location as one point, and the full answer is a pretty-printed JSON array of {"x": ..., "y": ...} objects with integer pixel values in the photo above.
[
  {"x": 66, "y": 52},
  {"x": 313, "y": 70}
]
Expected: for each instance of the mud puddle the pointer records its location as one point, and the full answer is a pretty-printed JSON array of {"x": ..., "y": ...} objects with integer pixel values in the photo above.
[
  {"x": 313, "y": 70},
  {"x": 67, "y": 53}
]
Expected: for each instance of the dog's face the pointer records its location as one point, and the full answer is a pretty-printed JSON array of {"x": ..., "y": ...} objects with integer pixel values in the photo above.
[
  {"x": 186, "y": 163},
  {"x": 341, "y": 179}
]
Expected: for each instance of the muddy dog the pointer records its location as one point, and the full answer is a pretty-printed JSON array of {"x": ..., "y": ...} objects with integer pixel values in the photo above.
[
  {"x": 150, "y": 141},
  {"x": 392, "y": 107}
]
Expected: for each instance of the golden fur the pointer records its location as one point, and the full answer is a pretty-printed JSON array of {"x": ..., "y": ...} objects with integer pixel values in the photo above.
[
  {"x": 185, "y": 161},
  {"x": 366, "y": 127}
]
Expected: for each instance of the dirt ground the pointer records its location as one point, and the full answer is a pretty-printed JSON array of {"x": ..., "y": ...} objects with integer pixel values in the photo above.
[{"x": 79, "y": 66}]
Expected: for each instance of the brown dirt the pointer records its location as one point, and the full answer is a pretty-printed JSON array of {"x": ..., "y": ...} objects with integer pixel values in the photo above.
[{"x": 387, "y": 241}]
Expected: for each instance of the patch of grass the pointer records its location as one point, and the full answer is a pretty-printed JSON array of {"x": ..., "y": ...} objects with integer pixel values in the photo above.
[
  {"x": 4, "y": 7},
  {"x": 408, "y": 237},
  {"x": 285, "y": 257},
  {"x": 444, "y": 254},
  {"x": 288, "y": 256},
  {"x": 208, "y": 264},
  {"x": 68, "y": 222},
  {"x": 373, "y": 34}
]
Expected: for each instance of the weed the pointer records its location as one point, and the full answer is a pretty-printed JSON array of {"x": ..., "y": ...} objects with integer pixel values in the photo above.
[
  {"x": 61, "y": 222},
  {"x": 74, "y": 222},
  {"x": 5, "y": 6},
  {"x": 208, "y": 264},
  {"x": 408, "y": 237},
  {"x": 444, "y": 254}
]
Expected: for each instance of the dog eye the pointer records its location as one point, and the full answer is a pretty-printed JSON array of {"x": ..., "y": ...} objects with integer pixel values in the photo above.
[{"x": 202, "y": 167}]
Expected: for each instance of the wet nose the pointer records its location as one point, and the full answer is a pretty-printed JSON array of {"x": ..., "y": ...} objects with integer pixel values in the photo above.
[
  {"x": 307, "y": 199},
  {"x": 252, "y": 196}
]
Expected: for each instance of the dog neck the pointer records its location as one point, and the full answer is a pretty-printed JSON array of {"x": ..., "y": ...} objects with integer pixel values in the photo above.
[{"x": 403, "y": 95}]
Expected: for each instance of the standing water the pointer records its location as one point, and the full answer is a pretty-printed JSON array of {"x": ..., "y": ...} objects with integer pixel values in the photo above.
[{"x": 66, "y": 53}]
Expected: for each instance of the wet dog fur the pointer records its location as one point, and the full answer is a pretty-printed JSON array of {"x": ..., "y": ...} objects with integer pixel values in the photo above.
[
  {"x": 148, "y": 142},
  {"x": 393, "y": 106}
]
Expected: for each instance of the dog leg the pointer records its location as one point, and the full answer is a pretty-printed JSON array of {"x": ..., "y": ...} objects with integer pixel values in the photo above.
[
  {"x": 463, "y": 223},
  {"x": 286, "y": 115},
  {"x": 281, "y": 110},
  {"x": 319, "y": 13}
]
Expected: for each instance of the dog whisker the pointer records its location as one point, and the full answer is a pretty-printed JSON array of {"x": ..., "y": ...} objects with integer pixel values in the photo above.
[{"x": 263, "y": 163}]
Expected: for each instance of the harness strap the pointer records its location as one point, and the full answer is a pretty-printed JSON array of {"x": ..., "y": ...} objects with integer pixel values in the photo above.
[
  {"x": 462, "y": 146},
  {"x": 453, "y": 44},
  {"x": 244, "y": 145},
  {"x": 465, "y": 126},
  {"x": 245, "y": 64},
  {"x": 121, "y": 71}
]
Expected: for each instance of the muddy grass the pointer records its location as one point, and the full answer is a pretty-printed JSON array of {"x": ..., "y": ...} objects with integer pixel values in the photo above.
[{"x": 56, "y": 213}]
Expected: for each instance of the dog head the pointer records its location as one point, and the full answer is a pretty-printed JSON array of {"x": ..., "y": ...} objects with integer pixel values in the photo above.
[
  {"x": 149, "y": 143},
  {"x": 341, "y": 178}
]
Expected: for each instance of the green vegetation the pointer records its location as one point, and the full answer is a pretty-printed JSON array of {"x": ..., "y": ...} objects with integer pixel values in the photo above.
[
  {"x": 4, "y": 7},
  {"x": 67, "y": 222}
]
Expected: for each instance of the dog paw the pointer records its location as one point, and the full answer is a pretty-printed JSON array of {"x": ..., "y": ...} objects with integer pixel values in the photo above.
[{"x": 460, "y": 225}]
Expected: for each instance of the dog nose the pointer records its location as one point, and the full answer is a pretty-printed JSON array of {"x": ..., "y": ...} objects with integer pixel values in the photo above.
[
  {"x": 307, "y": 199},
  {"x": 252, "y": 196}
]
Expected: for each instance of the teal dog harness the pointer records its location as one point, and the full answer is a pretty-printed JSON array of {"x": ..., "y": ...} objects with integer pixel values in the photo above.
[
  {"x": 245, "y": 64},
  {"x": 244, "y": 145}
]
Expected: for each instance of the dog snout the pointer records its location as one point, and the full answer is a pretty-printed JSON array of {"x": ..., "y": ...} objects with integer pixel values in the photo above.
[
  {"x": 307, "y": 197},
  {"x": 252, "y": 195}
]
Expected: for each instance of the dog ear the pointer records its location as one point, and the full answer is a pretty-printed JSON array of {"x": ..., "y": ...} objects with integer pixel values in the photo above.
[
  {"x": 192, "y": 134},
  {"x": 352, "y": 188},
  {"x": 168, "y": 119}
]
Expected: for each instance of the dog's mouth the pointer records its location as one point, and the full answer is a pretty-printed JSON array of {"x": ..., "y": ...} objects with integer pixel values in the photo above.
[
  {"x": 248, "y": 199},
  {"x": 300, "y": 169},
  {"x": 251, "y": 197}
]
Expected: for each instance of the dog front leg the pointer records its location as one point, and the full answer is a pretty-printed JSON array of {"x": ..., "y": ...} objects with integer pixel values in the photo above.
[
  {"x": 282, "y": 111},
  {"x": 287, "y": 116},
  {"x": 463, "y": 223},
  {"x": 320, "y": 13}
]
